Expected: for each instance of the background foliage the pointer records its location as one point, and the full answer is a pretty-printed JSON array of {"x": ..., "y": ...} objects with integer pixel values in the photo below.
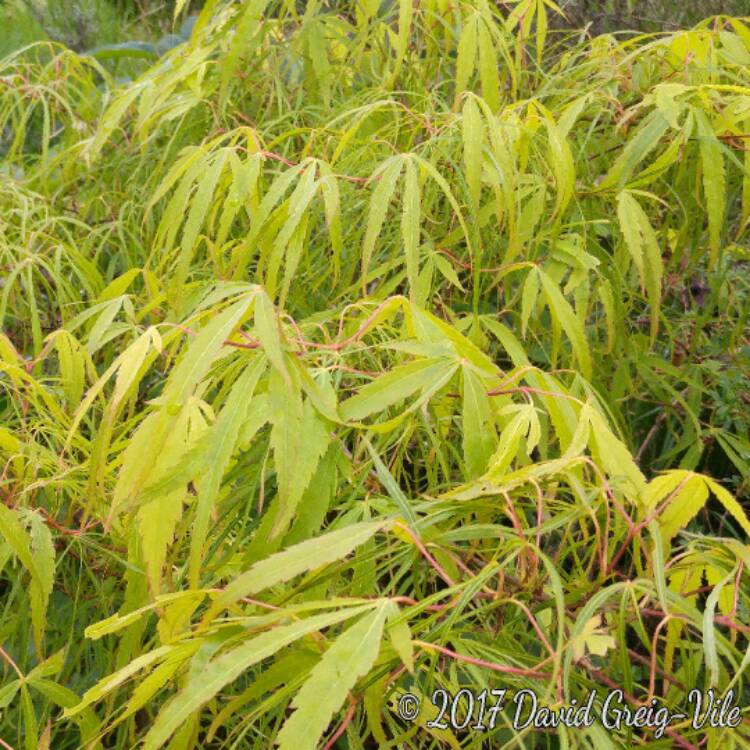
[
  {"x": 352, "y": 349},
  {"x": 646, "y": 15}
]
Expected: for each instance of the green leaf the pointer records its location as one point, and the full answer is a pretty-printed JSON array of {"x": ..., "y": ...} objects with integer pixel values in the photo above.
[
  {"x": 199, "y": 207},
  {"x": 260, "y": 219},
  {"x": 387, "y": 175},
  {"x": 156, "y": 453},
  {"x": 592, "y": 639},
  {"x": 391, "y": 485},
  {"x": 400, "y": 636},
  {"x": 8, "y": 692},
  {"x": 299, "y": 439},
  {"x": 30, "y": 725},
  {"x": 688, "y": 495},
  {"x": 467, "y": 54},
  {"x": 43, "y": 550},
  {"x": 488, "y": 61},
  {"x": 113, "y": 681},
  {"x": 394, "y": 386},
  {"x": 283, "y": 566},
  {"x": 714, "y": 182},
  {"x": 643, "y": 246},
  {"x": 729, "y": 503},
  {"x": 410, "y": 222},
  {"x": 267, "y": 330},
  {"x": 473, "y": 140},
  {"x": 478, "y": 424},
  {"x": 613, "y": 455},
  {"x": 199, "y": 356},
  {"x": 144, "y": 50},
  {"x": 219, "y": 444},
  {"x": 645, "y": 140},
  {"x": 316, "y": 45},
  {"x": 509, "y": 443},
  {"x": 709, "y": 634},
  {"x": 563, "y": 313},
  {"x": 561, "y": 158},
  {"x": 72, "y": 366},
  {"x": 157, "y": 521},
  {"x": 112, "y": 116},
  {"x": 350, "y": 657},
  {"x": 291, "y": 235},
  {"x": 529, "y": 297},
  {"x": 27, "y": 547},
  {"x": 230, "y": 665},
  {"x": 244, "y": 43}
]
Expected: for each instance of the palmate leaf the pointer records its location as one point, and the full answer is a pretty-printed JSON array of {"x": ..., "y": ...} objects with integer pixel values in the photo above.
[
  {"x": 158, "y": 517},
  {"x": 561, "y": 158},
  {"x": 472, "y": 131},
  {"x": 467, "y": 53},
  {"x": 289, "y": 239},
  {"x": 643, "y": 246},
  {"x": 391, "y": 486},
  {"x": 730, "y": 504},
  {"x": 509, "y": 442},
  {"x": 113, "y": 681},
  {"x": 261, "y": 217},
  {"x": 387, "y": 175},
  {"x": 133, "y": 363},
  {"x": 612, "y": 454},
  {"x": 405, "y": 15},
  {"x": 400, "y": 637},
  {"x": 687, "y": 579},
  {"x": 199, "y": 208},
  {"x": 350, "y": 657},
  {"x": 562, "y": 312},
  {"x": 529, "y": 299},
  {"x": 198, "y": 358},
  {"x": 491, "y": 188},
  {"x": 685, "y": 493},
  {"x": 285, "y": 671},
  {"x": 592, "y": 639},
  {"x": 645, "y": 139},
  {"x": 267, "y": 330},
  {"x": 72, "y": 367},
  {"x": 714, "y": 182},
  {"x": 157, "y": 520},
  {"x": 488, "y": 67},
  {"x": 392, "y": 387},
  {"x": 410, "y": 222},
  {"x": 43, "y": 550},
  {"x": 156, "y": 435},
  {"x": 283, "y": 566},
  {"x": 37, "y": 554},
  {"x": 229, "y": 665},
  {"x": 478, "y": 424},
  {"x": 314, "y": 36},
  {"x": 243, "y": 45},
  {"x": 220, "y": 443},
  {"x": 299, "y": 439},
  {"x": 118, "y": 621}
]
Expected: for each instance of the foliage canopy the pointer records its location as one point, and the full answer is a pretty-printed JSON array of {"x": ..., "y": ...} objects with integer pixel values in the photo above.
[{"x": 356, "y": 348}]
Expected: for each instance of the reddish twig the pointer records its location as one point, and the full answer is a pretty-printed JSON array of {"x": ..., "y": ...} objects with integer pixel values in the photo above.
[
  {"x": 518, "y": 671},
  {"x": 430, "y": 559},
  {"x": 342, "y": 727},
  {"x": 10, "y": 661}
]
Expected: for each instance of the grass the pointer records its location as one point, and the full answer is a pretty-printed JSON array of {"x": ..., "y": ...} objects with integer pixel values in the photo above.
[{"x": 356, "y": 349}]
